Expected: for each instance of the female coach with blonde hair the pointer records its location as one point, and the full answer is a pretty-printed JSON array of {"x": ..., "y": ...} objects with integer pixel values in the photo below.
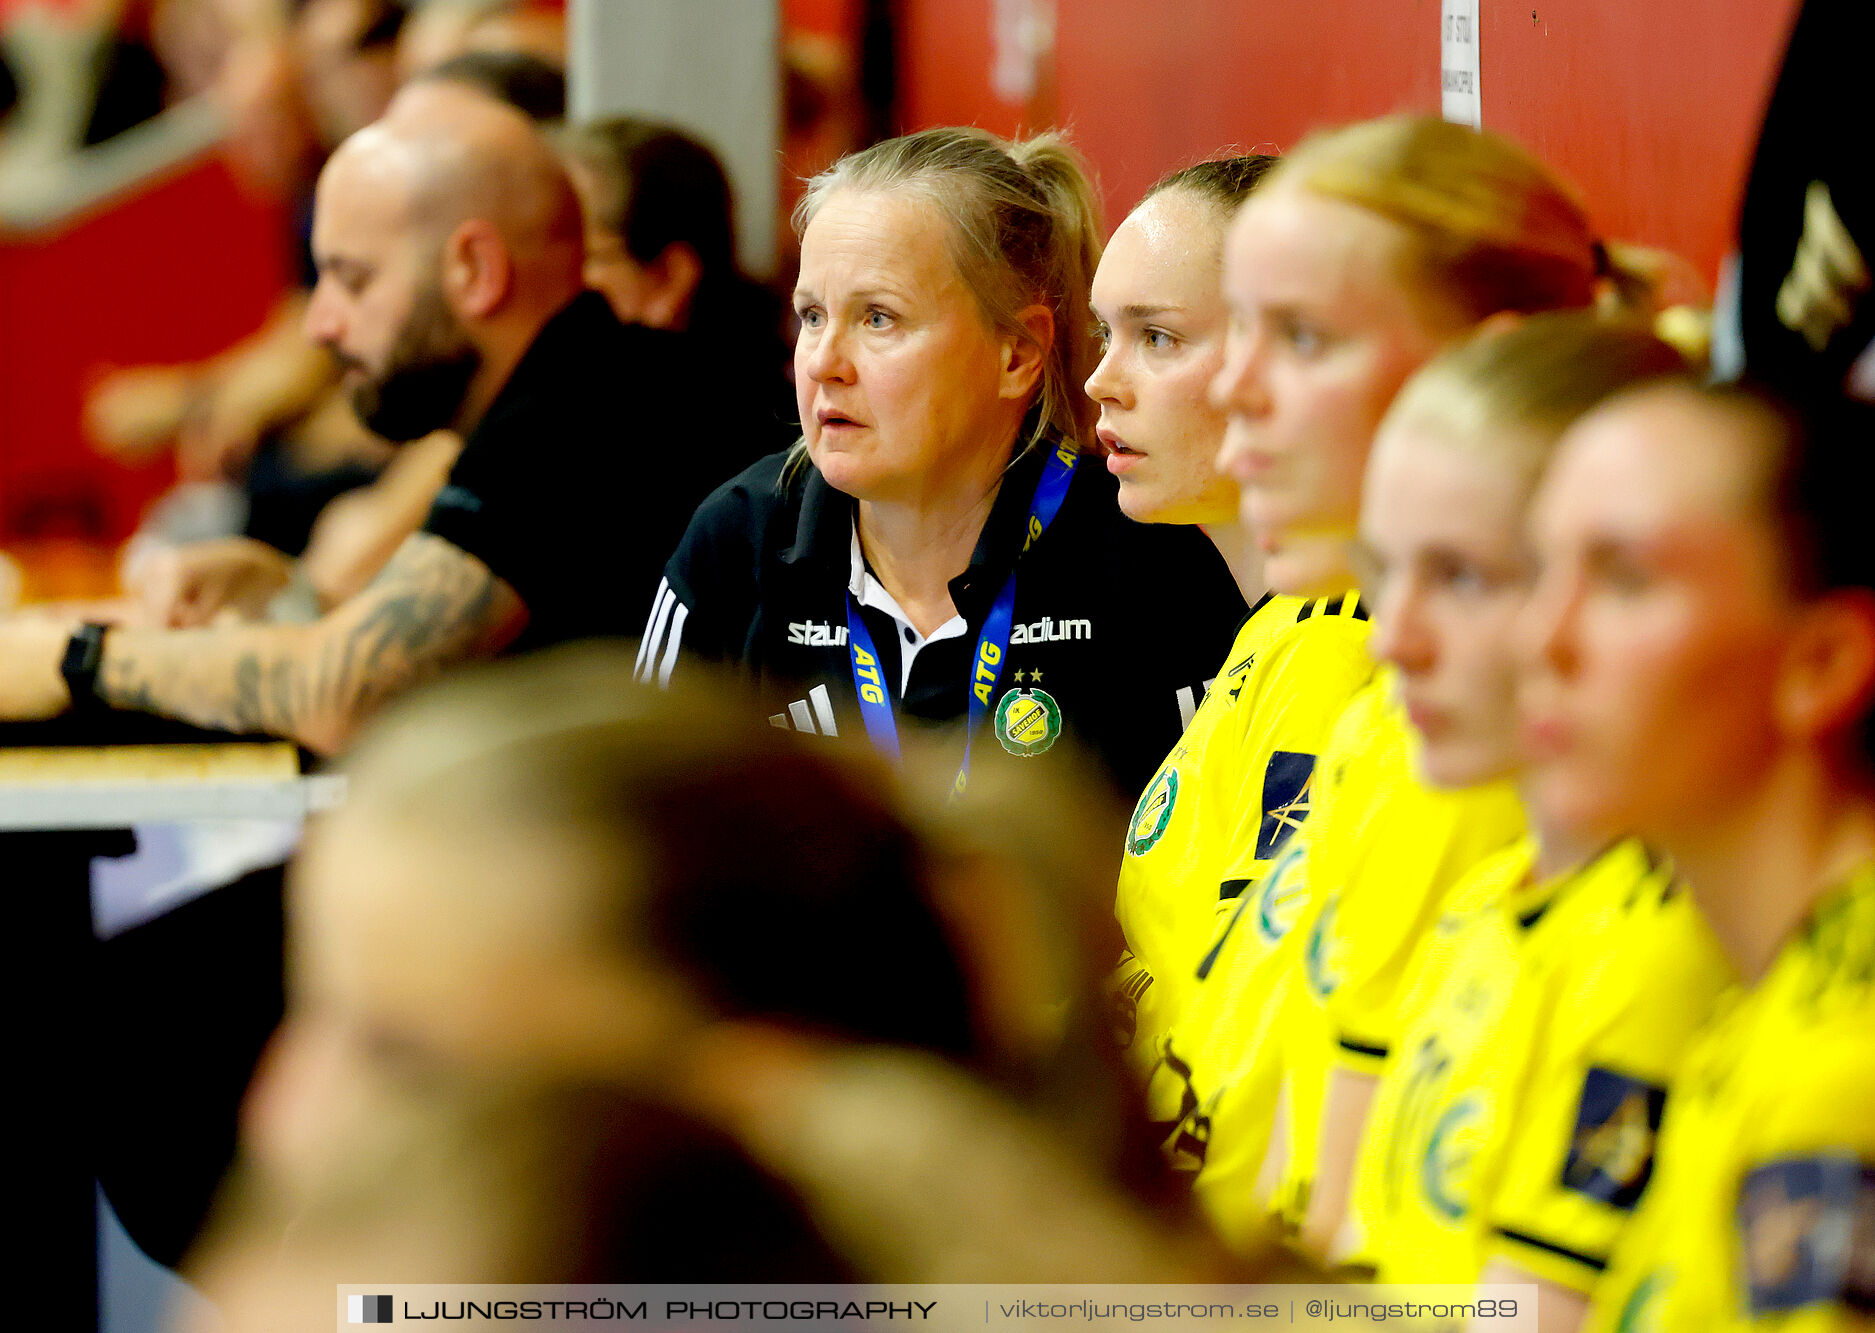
[{"x": 933, "y": 551}]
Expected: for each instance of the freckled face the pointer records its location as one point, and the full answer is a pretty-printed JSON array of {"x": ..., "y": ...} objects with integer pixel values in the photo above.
[
  {"x": 1161, "y": 317},
  {"x": 1323, "y": 332},
  {"x": 903, "y": 387}
]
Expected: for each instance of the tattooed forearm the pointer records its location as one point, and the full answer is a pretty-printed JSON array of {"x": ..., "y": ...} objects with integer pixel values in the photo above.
[
  {"x": 247, "y": 691},
  {"x": 431, "y": 606}
]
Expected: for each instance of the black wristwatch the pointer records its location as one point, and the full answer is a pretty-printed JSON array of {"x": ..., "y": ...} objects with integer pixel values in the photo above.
[{"x": 84, "y": 654}]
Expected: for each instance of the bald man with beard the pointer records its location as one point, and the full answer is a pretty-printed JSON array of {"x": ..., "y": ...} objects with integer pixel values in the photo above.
[
  {"x": 450, "y": 251},
  {"x": 450, "y": 248}
]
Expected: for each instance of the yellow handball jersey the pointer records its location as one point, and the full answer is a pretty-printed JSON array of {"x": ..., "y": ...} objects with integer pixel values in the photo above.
[
  {"x": 1761, "y": 1214},
  {"x": 1383, "y": 866},
  {"x": 1222, "y": 804},
  {"x": 1222, "y": 1063},
  {"x": 1230, "y": 1013},
  {"x": 1623, "y": 980},
  {"x": 1237, "y": 995},
  {"x": 1253, "y": 1039},
  {"x": 1414, "y": 1196},
  {"x": 1544, "y": 1020}
]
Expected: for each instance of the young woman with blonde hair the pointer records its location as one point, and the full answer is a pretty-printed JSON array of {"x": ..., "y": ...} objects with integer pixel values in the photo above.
[
  {"x": 1701, "y": 647},
  {"x": 1368, "y": 250},
  {"x": 1208, "y": 823},
  {"x": 1546, "y": 1014}
]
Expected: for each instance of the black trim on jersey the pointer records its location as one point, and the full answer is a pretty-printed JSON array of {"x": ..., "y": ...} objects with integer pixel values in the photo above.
[
  {"x": 1550, "y": 1247},
  {"x": 1361, "y": 1048},
  {"x": 1231, "y": 888},
  {"x": 1573, "y": 878},
  {"x": 1333, "y": 606},
  {"x": 1209, "y": 961},
  {"x": 1137, "y": 984}
]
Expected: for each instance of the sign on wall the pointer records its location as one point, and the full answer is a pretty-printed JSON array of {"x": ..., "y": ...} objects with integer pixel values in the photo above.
[
  {"x": 1022, "y": 36},
  {"x": 1458, "y": 62}
]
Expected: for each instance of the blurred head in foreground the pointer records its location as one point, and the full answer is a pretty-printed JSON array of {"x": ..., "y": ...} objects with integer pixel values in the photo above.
[
  {"x": 467, "y": 1181},
  {"x": 543, "y": 871},
  {"x": 545, "y": 876}
]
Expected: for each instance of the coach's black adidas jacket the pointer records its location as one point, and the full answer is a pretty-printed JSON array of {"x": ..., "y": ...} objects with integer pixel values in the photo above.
[{"x": 1120, "y": 624}]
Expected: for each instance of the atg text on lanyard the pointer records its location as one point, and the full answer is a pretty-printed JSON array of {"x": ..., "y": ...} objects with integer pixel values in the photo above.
[{"x": 875, "y": 696}]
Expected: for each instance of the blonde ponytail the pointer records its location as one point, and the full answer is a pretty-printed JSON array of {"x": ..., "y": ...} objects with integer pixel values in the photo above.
[{"x": 1489, "y": 226}]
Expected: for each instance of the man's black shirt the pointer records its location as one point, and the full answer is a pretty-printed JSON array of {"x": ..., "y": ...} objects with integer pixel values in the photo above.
[
  {"x": 1119, "y": 623},
  {"x": 577, "y": 483}
]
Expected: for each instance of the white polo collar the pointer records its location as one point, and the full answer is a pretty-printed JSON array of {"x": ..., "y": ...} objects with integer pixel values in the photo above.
[{"x": 868, "y": 591}]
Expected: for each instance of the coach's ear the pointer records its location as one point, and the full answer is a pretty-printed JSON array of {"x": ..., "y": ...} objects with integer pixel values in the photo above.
[
  {"x": 477, "y": 270},
  {"x": 1025, "y": 353},
  {"x": 1827, "y": 681}
]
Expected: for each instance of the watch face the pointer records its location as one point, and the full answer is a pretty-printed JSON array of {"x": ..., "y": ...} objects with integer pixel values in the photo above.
[{"x": 83, "y": 655}]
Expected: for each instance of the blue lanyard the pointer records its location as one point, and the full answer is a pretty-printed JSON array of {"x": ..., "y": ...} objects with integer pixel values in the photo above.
[{"x": 875, "y": 698}]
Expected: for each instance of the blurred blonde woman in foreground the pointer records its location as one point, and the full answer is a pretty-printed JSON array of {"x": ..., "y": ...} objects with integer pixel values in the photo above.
[{"x": 547, "y": 876}]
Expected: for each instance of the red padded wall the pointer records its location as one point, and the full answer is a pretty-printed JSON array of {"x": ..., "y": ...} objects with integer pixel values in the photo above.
[
  {"x": 1650, "y": 107},
  {"x": 173, "y": 273}
]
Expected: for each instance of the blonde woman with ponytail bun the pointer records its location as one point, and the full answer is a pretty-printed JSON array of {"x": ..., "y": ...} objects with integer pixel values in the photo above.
[
  {"x": 1363, "y": 254},
  {"x": 932, "y": 552}
]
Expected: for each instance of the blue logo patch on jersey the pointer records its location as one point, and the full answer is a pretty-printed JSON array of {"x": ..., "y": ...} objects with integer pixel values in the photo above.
[
  {"x": 1285, "y": 799},
  {"x": 1611, "y": 1156},
  {"x": 1806, "y": 1232}
]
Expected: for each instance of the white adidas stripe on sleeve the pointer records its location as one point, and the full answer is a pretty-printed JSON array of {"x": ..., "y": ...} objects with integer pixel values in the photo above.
[
  {"x": 678, "y": 616},
  {"x": 647, "y": 646}
]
